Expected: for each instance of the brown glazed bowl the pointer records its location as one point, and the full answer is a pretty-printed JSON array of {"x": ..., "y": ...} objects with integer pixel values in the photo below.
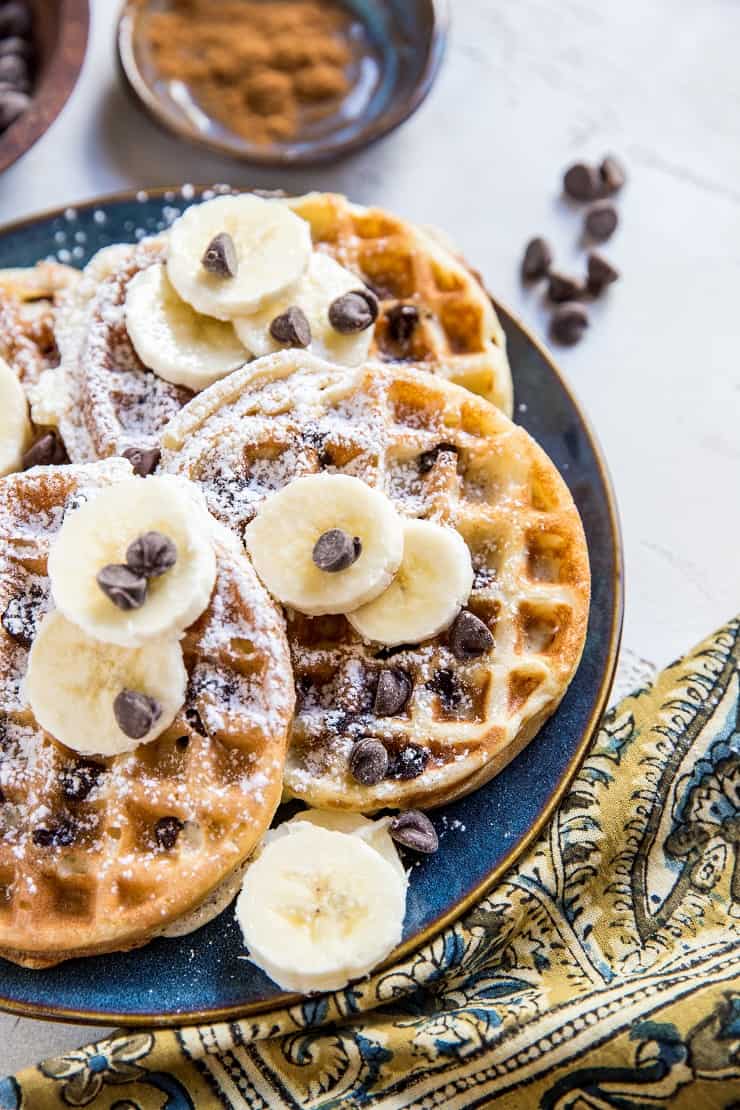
[{"x": 60, "y": 32}]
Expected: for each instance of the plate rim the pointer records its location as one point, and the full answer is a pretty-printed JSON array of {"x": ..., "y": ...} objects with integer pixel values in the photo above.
[{"x": 41, "y": 1012}]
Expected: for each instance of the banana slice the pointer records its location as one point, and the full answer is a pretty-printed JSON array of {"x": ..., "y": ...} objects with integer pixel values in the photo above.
[
  {"x": 99, "y": 534},
  {"x": 171, "y": 339},
  {"x": 432, "y": 584},
  {"x": 15, "y": 429},
  {"x": 324, "y": 281},
  {"x": 272, "y": 247},
  {"x": 73, "y": 683},
  {"x": 375, "y": 833},
  {"x": 319, "y": 908},
  {"x": 287, "y": 539}
]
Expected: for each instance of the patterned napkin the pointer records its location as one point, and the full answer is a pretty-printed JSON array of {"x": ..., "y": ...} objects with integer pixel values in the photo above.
[{"x": 604, "y": 971}]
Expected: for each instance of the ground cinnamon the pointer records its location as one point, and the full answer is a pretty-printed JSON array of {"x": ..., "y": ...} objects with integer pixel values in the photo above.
[{"x": 256, "y": 67}]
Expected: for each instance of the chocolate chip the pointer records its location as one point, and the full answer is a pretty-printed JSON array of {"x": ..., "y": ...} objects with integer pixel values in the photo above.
[
  {"x": 135, "y": 713},
  {"x": 336, "y": 550},
  {"x": 220, "y": 257},
  {"x": 183, "y": 743},
  {"x": 193, "y": 717},
  {"x": 291, "y": 328},
  {"x": 57, "y": 834},
  {"x": 562, "y": 287},
  {"x": 601, "y": 220},
  {"x": 613, "y": 174},
  {"x": 125, "y": 588},
  {"x": 469, "y": 636},
  {"x": 166, "y": 832},
  {"x": 569, "y": 321},
  {"x": 408, "y": 763},
  {"x": 600, "y": 273},
  {"x": 582, "y": 182},
  {"x": 353, "y": 312},
  {"x": 15, "y": 620},
  {"x": 427, "y": 459},
  {"x": 15, "y": 18},
  {"x": 144, "y": 461},
  {"x": 445, "y": 685},
  {"x": 78, "y": 781},
  {"x": 402, "y": 321},
  {"x": 394, "y": 690},
  {"x": 537, "y": 259},
  {"x": 151, "y": 555},
  {"x": 414, "y": 830},
  {"x": 368, "y": 762},
  {"x": 48, "y": 450}
]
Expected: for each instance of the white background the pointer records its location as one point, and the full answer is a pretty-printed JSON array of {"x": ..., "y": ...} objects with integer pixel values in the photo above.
[{"x": 527, "y": 87}]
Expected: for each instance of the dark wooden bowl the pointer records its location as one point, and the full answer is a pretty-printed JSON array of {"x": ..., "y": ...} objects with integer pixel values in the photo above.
[{"x": 60, "y": 29}]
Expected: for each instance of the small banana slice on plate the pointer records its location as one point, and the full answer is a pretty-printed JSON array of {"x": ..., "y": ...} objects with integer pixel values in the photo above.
[
  {"x": 171, "y": 339},
  {"x": 15, "y": 429},
  {"x": 373, "y": 832}
]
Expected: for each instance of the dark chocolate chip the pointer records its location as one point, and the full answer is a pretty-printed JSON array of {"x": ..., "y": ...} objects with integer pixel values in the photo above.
[
  {"x": 563, "y": 287},
  {"x": 151, "y": 555},
  {"x": 48, "y": 450},
  {"x": 469, "y": 636},
  {"x": 166, "y": 832},
  {"x": 15, "y": 19},
  {"x": 144, "y": 461},
  {"x": 582, "y": 182},
  {"x": 393, "y": 692},
  {"x": 368, "y": 762},
  {"x": 125, "y": 588},
  {"x": 402, "y": 321},
  {"x": 135, "y": 713},
  {"x": 56, "y": 834},
  {"x": 427, "y": 459},
  {"x": 414, "y": 830},
  {"x": 16, "y": 621},
  {"x": 389, "y": 652},
  {"x": 183, "y": 743},
  {"x": 569, "y": 321},
  {"x": 408, "y": 763},
  {"x": 600, "y": 273},
  {"x": 613, "y": 174},
  {"x": 220, "y": 258},
  {"x": 601, "y": 220},
  {"x": 353, "y": 312},
  {"x": 291, "y": 328},
  {"x": 3, "y": 799},
  {"x": 537, "y": 259},
  {"x": 336, "y": 550},
  {"x": 445, "y": 685},
  {"x": 78, "y": 781},
  {"x": 193, "y": 717}
]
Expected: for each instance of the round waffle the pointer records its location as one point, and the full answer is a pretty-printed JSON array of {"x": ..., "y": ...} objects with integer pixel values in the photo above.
[
  {"x": 84, "y": 864},
  {"x": 443, "y": 454},
  {"x": 27, "y": 302}
]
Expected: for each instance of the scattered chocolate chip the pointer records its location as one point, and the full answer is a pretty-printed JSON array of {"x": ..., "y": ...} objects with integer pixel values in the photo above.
[
  {"x": 220, "y": 258},
  {"x": 582, "y": 182},
  {"x": 135, "y": 713},
  {"x": 17, "y": 620},
  {"x": 336, "y": 550},
  {"x": 537, "y": 259},
  {"x": 613, "y": 174},
  {"x": 569, "y": 321},
  {"x": 414, "y": 830},
  {"x": 353, "y": 312},
  {"x": 125, "y": 588},
  {"x": 386, "y": 653},
  {"x": 166, "y": 832},
  {"x": 15, "y": 18},
  {"x": 601, "y": 220},
  {"x": 143, "y": 461},
  {"x": 563, "y": 287},
  {"x": 600, "y": 273},
  {"x": 291, "y": 328},
  {"x": 151, "y": 555},
  {"x": 193, "y": 717},
  {"x": 393, "y": 692},
  {"x": 469, "y": 636},
  {"x": 78, "y": 781},
  {"x": 182, "y": 743},
  {"x": 48, "y": 450},
  {"x": 427, "y": 459},
  {"x": 408, "y": 763},
  {"x": 57, "y": 834},
  {"x": 445, "y": 685},
  {"x": 3, "y": 799},
  {"x": 402, "y": 321},
  {"x": 368, "y": 762}
]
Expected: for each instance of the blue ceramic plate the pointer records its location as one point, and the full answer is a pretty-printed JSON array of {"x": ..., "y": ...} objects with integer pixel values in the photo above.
[{"x": 200, "y": 977}]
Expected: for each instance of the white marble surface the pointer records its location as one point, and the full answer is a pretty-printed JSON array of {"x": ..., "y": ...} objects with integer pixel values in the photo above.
[{"x": 527, "y": 87}]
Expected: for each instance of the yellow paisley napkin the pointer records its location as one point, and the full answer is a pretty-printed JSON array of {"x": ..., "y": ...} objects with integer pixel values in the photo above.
[{"x": 604, "y": 971}]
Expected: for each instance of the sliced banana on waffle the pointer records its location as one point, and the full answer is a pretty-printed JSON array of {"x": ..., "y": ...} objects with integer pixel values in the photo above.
[
  {"x": 101, "y": 699},
  {"x": 178, "y": 344},
  {"x": 319, "y": 908},
  {"x": 228, "y": 256},
  {"x": 326, "y": 543},
  {"x": 15, "y": 429},
  {"x": 432, "y": 584},
  {"x": 136, "y": 562}
]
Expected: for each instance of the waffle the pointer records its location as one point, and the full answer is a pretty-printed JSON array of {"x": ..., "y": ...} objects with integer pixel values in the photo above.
[
  {"x": 84, "y": 868},
  {"x": 27, "y": 302},
  {"x": 289, "y": 415}
]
